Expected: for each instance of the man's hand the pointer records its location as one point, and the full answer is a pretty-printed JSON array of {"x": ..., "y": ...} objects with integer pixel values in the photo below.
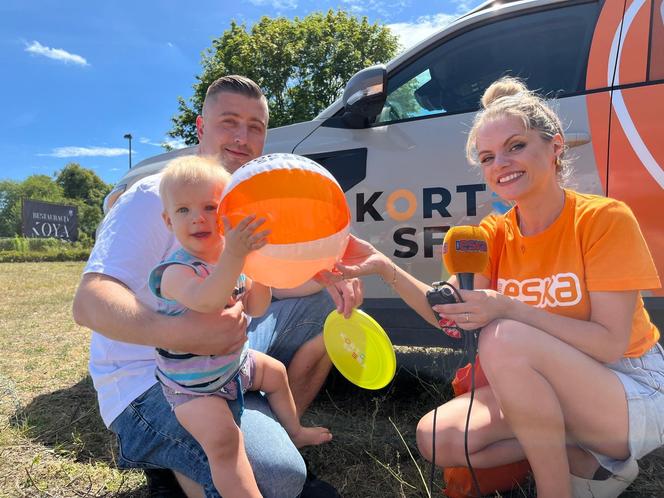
[
  {"x": 346, "y": 294},
  {"x": 107, "y": 306},
  {"x": 211, "y": 333}
]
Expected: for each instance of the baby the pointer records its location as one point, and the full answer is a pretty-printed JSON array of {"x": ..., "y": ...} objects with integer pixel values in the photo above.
[{"x": 205, "y": 275}]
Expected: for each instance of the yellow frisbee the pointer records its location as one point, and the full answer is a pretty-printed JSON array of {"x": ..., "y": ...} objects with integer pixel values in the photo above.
[{"x": 360, "y": 349}]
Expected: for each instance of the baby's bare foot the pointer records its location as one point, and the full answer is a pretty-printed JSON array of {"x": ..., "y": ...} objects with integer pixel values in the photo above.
[{"x": 311, "y": 436}]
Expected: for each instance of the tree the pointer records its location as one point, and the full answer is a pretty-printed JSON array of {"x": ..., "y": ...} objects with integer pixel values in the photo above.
[
  {"x": 85, "y": 190},
  {"x": 301, "y": 65},
  {"x": 40, "y": 187},
  {"x": 10, "y": 209},
  {"x": 73, "y": 185},
  {"x": 81, "y": 183}
]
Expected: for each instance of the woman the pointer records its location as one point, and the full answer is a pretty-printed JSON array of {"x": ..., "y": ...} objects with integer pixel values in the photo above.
[{"x": 575, "y": 370}]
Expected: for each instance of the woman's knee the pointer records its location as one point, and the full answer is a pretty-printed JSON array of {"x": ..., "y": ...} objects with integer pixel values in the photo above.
[
  {"x": 502, "y": 341},
  {"x": 448, "y": 442}
]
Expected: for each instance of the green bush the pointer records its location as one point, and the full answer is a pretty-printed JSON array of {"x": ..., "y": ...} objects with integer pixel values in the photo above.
[
  {"x": 20, "y": 244},
  {"x": 28, "y": 244},
  {"x": 68, "y": 254},
  {"x": 22, "y": 249},
  {"x": 13, "y": 244}
]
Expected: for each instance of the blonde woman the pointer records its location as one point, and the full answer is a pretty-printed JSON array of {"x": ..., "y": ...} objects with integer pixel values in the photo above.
[{"x": 575, "y": 369}]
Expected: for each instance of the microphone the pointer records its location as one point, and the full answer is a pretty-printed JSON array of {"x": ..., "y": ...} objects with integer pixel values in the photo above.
[{"x": 465, "y": 253}]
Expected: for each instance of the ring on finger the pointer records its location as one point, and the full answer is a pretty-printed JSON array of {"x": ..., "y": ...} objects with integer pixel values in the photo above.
[{"x": 467, "y": 316}]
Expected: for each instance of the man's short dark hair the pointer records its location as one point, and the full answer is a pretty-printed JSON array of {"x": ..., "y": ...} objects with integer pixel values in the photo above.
[{"x": 235, "y": 84}]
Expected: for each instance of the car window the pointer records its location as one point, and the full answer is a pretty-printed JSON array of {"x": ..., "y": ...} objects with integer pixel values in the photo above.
[{"x": 548, "y": 49}]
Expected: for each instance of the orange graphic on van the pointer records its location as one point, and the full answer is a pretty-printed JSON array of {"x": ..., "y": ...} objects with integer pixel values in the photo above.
[{"x": 631, "y": 152}]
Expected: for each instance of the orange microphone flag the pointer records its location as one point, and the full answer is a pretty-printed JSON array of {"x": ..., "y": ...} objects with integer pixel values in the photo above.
[{"x": 465, "y": 250}]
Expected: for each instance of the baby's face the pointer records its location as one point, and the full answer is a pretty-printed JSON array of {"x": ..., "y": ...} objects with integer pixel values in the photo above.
[{"x": 191, "y": 214}]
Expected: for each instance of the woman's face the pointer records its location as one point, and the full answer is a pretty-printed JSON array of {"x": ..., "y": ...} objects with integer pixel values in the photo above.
[{"x": 517, "y": 163}]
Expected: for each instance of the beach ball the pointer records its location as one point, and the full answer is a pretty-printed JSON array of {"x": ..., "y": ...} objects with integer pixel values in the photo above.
[{"x": 304, "y": 208}]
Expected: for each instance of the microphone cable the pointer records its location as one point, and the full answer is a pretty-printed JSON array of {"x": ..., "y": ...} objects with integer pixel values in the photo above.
[
  {"x": 473, "y": 339},
  {"x": 470, "y": 339}
]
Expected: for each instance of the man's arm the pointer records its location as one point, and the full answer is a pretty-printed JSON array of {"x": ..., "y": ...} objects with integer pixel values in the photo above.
[{"x": 108, "y": 307}]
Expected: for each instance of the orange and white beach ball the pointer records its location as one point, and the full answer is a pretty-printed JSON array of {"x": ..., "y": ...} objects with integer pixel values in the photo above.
[{"x": 305, "y": 210}]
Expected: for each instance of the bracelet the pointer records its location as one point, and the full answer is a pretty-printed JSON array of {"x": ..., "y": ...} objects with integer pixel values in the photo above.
[{"x": 394, "y": 275}]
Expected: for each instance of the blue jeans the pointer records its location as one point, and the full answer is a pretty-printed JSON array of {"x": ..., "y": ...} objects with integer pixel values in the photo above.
[
  {"x": 288, "y": 324},
  {"x": 149, "y": 435}
]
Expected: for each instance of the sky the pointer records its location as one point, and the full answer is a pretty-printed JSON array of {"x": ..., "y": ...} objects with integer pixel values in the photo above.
[{"x": 78, "y": 75}]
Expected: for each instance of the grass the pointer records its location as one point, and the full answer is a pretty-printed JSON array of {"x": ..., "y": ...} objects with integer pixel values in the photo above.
[{"x": 53, "y": 442}]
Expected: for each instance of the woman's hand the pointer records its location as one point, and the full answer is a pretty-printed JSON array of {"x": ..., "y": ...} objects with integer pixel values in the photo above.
[
  {"x": 361, "y": 259},
  {"x": 479, "y": 308}
]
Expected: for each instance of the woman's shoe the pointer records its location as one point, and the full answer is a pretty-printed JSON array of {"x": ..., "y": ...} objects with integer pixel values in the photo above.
[{"x": 606, "y": 488}]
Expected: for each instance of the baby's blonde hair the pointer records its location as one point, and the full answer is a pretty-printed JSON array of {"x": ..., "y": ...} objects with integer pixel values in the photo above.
[
  {"x": 191, "y": 170},
  {"x": 509, "y": 96}
]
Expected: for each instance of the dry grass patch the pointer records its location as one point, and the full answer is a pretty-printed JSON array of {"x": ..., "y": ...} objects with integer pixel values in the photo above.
[
  {"x": 52, "y": 439},
  {"x": 53, "y": 442}
]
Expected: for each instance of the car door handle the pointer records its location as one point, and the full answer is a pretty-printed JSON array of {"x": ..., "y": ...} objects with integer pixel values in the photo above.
[{"x": 577, "y": 138}]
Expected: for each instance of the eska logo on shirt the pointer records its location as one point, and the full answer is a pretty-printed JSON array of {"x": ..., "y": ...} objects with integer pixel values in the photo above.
[{"x": 561, "y": 289}]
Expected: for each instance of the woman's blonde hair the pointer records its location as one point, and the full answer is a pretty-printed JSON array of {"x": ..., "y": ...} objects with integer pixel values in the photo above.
[
  {"x": 509, "y": 96},
  {"x": 191, "y": 170}
]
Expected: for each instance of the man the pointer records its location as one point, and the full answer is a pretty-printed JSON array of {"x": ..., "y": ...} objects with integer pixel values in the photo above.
[{"x": 114, "y": 301}]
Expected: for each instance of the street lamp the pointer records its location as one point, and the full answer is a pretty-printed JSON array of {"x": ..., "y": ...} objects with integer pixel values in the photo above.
[{"x": 129, "y": 137}]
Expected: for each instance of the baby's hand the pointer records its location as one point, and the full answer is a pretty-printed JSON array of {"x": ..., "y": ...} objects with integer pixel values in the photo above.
[{"x": 244, "y": 238}]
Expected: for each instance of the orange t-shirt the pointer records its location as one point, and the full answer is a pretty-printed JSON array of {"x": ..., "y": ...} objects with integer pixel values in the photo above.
[{"x": 594, "y": 245}]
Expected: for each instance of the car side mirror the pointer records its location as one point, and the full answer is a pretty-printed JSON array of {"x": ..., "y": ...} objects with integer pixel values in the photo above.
[{"x": 364, "y": 96}]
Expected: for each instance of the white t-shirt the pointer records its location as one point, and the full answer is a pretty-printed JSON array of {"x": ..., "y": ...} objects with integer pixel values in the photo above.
[{"x": 131, "y": 241}]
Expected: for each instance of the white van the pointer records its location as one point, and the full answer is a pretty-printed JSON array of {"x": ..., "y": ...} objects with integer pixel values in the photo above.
[{"x": 395, "y": 140}]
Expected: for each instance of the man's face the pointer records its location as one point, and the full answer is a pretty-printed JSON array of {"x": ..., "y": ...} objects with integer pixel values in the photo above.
[{"x": 232, "y": 129}]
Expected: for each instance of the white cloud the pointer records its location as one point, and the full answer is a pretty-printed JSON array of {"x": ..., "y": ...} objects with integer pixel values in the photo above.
[
  {"x": 385, "y": 10},
  {"x": 145, "y": 140},
  {"x": 57, "y": 54},
  {"x": 170, "y": 143},
  {"x": 355, "y": 6},
  {"x": 87, "y": 152},
  {"x": 410, "y": 33},
  {"x": 464, "y": 6},
  {"x": 174, "y": 143},
  {"x": 276, "y": 4}
]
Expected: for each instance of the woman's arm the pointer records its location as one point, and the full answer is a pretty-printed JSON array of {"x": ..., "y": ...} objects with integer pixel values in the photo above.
[
  {"x": 604, "y": 336},
  {"x": 361, "y": 259}
]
